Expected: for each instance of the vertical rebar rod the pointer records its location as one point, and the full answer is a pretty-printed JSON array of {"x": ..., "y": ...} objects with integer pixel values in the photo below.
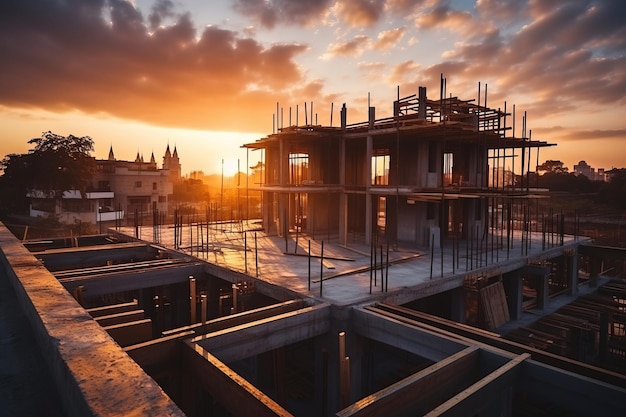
[
  {"x": 432, "y": 254},
  {"x": 322, "y": 269},
  {"x": 387, "y": 270},
  {"x": 256, "y": 256}
]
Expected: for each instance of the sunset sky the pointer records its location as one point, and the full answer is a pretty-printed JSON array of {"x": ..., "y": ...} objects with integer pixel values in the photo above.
[{"x": 205, "y": 76}]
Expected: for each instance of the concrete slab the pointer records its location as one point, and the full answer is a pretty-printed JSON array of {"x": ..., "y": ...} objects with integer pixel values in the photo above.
[{"x": 348, "y": 283}]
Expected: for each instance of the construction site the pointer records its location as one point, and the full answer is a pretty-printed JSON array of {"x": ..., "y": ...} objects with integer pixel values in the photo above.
[{"x": 400, "y": 267}]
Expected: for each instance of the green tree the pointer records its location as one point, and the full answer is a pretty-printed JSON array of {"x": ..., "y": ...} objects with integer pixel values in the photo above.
[{"x": 54, "y": 165}]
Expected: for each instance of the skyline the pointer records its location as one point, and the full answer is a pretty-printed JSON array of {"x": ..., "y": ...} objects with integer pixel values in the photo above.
[{"x": 207, "y": 78}]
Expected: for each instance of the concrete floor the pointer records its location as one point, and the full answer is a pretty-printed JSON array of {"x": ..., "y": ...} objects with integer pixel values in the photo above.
[{"x": 345, "y": 282}]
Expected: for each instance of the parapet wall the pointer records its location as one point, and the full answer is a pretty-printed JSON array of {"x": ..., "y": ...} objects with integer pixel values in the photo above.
[{"x": 93, "y": 375}]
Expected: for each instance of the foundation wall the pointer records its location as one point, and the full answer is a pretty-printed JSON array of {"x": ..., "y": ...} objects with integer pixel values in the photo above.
[{"x": 87, "y": 365}]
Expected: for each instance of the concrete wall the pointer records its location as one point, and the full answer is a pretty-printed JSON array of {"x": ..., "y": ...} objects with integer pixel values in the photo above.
[{"x": 93, "y": 375}]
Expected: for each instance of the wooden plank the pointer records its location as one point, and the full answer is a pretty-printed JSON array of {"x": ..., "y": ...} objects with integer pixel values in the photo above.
[
  {"x": 474, "y": 398},
  {"x": 119, "y": 318},
  {"x": 235, "y": 393},
  {"x": 112, "y": 309},
  {"x": 421, "y": 391},
  {"x": 131, "y": 333},
  {"x": 494, "y": 305}
]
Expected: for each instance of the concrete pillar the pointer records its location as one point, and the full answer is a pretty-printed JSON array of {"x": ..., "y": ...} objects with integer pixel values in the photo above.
[
  {"x": 368, "y": 183},
  {"x": 343, "y": 197},
  {"x": 594, "y": 271},
  {"x": 542, "y": 290},
  {"x": 513, "y": 288},
  {"x": 283, "y": 163},
  {"x": 571, "y": 263},
  {"x": 457, "y": 312},
  {"x": 283, "y": 214},
  {"x": 322, "y": 377},
  {"x": 343, "y": 218}
]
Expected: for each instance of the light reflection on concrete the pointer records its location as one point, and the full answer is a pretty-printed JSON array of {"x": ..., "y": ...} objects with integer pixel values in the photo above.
[{"x": 348, "y": 281}]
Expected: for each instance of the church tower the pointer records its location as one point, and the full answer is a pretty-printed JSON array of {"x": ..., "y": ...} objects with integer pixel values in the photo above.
[{"x": 171, "y": 162}]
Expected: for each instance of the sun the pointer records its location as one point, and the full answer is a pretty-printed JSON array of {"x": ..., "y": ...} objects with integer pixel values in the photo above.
[{"x": 230, "y": 166}]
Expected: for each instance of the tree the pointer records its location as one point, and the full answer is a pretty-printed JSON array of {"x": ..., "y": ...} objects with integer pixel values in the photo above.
[
  {"x": 54, "y": 165},
  {"x": 614, "y": 192},
  {"x": 552, "y": 166}
]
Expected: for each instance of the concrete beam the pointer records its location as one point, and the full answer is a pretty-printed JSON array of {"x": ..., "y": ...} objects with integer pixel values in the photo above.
[
  {"x": 235, "y": 393},
  {"x": 478, "y": 396},
  {"x": 603, "y": 252},
  {"x": 113, "y": 282},
  {"x": 421, "y": 391},
  {"x": 163, "y": 351},
  {"x": 119, "y": 318},
  {"x": 238, "y": 319},
  {"x": 264, "y": 287},
  {"x": 112, "y": 309},
  {"x": 489, "y": 340},
  {"x": 131, "y": 333},
  {"x": 392, "y": 332},
  {"x": 251, "y": 339},
  {"x": 55, "y": 259},
  {"x": 573, "y": 393}
]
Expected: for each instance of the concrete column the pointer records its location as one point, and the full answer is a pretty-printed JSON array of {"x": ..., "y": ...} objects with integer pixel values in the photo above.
[
  {"x": 343, "y": 197},
  {"x": 571, "y": 262},
  {"x": 282, "y": 169},
  {"x": 368, "y": 183},
  {"x": 542, "y": 291},
  {"x": 343, "y": 218},
  {"x": 594, "y": 271},
  {"x": 283, "y": 214},
  {"x": 457, "y": 312},
  {"x": 268, "y": 201},
  {"x": 322, "y": 377},
  {"x": 513, "y": 287}
]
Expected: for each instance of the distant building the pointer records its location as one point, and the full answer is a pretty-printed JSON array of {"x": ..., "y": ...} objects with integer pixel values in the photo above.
[
  {"x": 582, "y": 168},
  {"x": 120, "y": 190}
]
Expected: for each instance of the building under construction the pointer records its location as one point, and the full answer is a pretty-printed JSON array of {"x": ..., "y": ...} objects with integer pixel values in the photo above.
[
  {"x": 436, "y": 170},
  {"x": 399, "y": 269}
]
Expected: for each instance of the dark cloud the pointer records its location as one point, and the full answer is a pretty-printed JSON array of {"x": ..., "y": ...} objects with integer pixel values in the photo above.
[
  {"x": 272, "y": 12},
  {"x": 503, "y": 11},
  {"x": 101, "y": 57},
  {"x": 569, "y": 55},
  {"x": 161, "y": 10}
]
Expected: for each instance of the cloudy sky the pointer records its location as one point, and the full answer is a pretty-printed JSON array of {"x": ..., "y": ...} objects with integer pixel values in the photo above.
[{"x": 206, "y": 76}]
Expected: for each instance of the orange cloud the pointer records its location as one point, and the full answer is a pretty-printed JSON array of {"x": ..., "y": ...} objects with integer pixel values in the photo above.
[
  {"x": 402, "y": 73},
  {"x": 354, "y": 47},
  {"x": 360, "y": 12},
  {"x": 389, "y": 38},
  {"x": 443, "y": 16},
  {"x": 68, "y": 57}
]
